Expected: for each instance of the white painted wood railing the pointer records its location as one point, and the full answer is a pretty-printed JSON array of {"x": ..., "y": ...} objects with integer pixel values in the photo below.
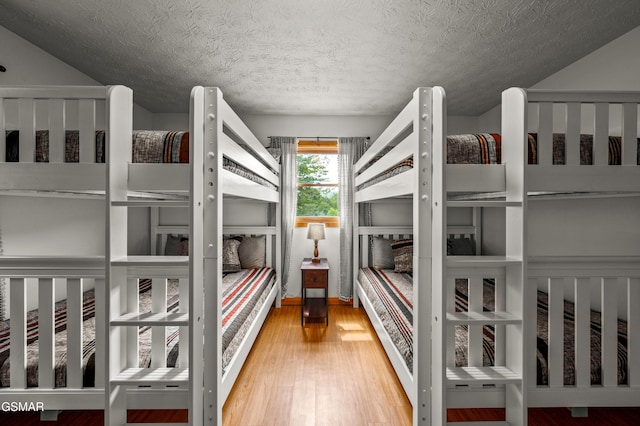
[
  {"x": 610, "y": 286},
  {"x": 51, "y": 275},
  {"x": 56, "y": 109}
]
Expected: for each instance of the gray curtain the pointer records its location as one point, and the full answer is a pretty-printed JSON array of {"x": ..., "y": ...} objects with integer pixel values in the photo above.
[
  {"x": 349, "y": 151},
  {"x": 288, "y": 200}
]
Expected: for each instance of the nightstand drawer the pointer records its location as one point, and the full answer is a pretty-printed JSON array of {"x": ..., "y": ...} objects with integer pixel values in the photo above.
[{"x": 315, "y": 279}]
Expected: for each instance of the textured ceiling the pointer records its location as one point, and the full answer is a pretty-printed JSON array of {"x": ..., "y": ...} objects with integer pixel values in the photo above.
[{"x": 319, "y": 57}]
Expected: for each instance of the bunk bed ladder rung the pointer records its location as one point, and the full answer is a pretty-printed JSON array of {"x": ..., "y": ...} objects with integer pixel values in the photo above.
[{"x": 506, "y": 273}]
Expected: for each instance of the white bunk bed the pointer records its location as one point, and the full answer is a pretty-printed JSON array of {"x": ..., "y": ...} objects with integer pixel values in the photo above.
[
  {"x": 431, "y": 186},
  {"x": 162, "y": 235},
  {"x": 199, "y": 187},
  {"x": 56, "y": 109}
]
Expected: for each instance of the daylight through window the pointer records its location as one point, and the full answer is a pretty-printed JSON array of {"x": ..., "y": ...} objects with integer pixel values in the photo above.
[{"x": 317, "y": 182}]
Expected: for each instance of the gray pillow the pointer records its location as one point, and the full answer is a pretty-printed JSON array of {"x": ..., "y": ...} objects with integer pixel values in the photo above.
[
  {"x": 460, "y": 247},
  {"x": 252, "y": 252},
  {"x": 381, "y": 253},
  {"x": 230, "y": 258},
  {"x": 176, "y": 245}
]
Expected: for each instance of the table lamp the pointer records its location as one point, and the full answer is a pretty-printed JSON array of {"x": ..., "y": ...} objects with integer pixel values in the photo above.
[{"x": 315, "y": 232}]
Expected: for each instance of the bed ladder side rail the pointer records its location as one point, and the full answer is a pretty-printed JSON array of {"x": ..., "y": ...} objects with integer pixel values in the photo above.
[
  {"x": 429, "y": 124},
  {"x": 211, "y": 213},
  {"x": 514, "y": 122},
  {"x": 506, "y": 274}
]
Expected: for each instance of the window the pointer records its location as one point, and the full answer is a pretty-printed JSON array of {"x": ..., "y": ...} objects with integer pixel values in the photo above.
[{"x": 317, "y": 183}]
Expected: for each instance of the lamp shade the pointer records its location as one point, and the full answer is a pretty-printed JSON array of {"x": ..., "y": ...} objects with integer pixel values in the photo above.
[{"x": 315, "y": 231}]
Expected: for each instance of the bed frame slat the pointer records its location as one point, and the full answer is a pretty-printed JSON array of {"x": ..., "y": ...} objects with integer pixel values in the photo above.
[
  {"x": 630, "y": 134},
  {"x": 556, "y": 332},
  {"x": 572, "y": 136},
  {"x": 633, "y": 331},
  {"x": 87, "y": 128},
  {"x": 74, "y": 333},
  {"x": 27, "y": 125},
  {"x": 183, "y": 307},
  {"x": 609, "y": 325},
  {"x": 530, "y": 335},
  {"x": 475, "y": 291},
  {"x": 57, "y": 126},
  {"x": 545, "y": 133},
  {"x": 158, "y": 333},
  {"x": 46, "y": 332},
  {"x": 450, "y": 353},
  {"x": 101, "y": 336},
  {"x": 582, "y": 332},
  {"x": 18, "y": 310},
  {"x": 500, "y": 295},
  {"x": 601, "y": 135},
  {"x": 130, "y": 304}
]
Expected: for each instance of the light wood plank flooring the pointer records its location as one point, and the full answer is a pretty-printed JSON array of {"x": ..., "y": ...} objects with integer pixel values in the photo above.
[{"x": 317, "y": 375}]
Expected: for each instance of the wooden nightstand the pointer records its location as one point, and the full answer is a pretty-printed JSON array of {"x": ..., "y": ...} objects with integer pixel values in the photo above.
[{"x": 315, "y": 275}]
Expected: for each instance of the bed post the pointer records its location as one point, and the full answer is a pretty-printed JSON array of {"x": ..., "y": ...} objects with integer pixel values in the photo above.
[
  {"x": 119, "y": 109},
  {"x": 432, "y": 228},
  {"x": 212, "y": 248},
  {"x": 422, "y": 267},
  {"x": 196, "y": 256},
  {"x": 514, "y": 156}
]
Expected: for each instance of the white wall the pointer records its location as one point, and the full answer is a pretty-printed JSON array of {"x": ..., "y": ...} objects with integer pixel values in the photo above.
[
  {"x": 27, "y": 64},
  {"x": 612, "y": 67},
  {"x": 558, "y": 227}
]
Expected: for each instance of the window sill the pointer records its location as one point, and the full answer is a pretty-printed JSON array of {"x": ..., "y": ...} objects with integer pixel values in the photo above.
[{"x": 329, "y": 221}]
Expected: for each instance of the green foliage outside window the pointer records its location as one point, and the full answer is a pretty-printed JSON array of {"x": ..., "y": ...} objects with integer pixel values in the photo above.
[{"x": 318, "y": 200}]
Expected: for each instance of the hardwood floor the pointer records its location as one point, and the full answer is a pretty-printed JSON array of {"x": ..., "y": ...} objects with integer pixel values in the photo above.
[{"x": 317, "y": 375}]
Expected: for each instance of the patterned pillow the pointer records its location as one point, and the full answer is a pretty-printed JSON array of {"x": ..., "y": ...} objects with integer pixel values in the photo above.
[
  {"x": 230, "y": 259},
  {"x": 381, "y": 253},
  {"x": 403, "y": 255}
]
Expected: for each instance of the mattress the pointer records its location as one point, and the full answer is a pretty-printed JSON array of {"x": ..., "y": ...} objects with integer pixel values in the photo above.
[
  {"x": 244, "y": 292},
  {"x": 391, "y": 295},
  {"x": 148, "y": 146},
  {"x": 486, "y": 148}
]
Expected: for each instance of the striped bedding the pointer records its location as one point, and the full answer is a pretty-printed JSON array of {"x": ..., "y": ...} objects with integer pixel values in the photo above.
[
  {"x": 244, "y": 293},
  {"x": 88, "y": 330},
  {"x": 486, "y": 148},
  {"x": 148, "y": 146},
  {"x": 391, "y": 295},
  {"x": 542, "y": 326}
]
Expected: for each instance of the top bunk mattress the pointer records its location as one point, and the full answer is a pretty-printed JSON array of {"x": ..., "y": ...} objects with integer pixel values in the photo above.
[
  {"x": 148, "y": 146},
  {"x": 486, "y": 148}
]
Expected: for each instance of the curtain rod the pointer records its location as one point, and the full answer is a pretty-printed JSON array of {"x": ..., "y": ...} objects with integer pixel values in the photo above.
[{"x": 317, "y": 137}]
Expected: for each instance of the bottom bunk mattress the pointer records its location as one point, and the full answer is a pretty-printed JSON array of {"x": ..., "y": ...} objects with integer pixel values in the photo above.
[
  {"x": 244, "y": 293},
  {"x": 391, "y": 295}
]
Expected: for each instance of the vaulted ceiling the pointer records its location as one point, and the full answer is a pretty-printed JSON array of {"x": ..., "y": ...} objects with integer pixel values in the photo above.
[{"x": 319, "y": 57}]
